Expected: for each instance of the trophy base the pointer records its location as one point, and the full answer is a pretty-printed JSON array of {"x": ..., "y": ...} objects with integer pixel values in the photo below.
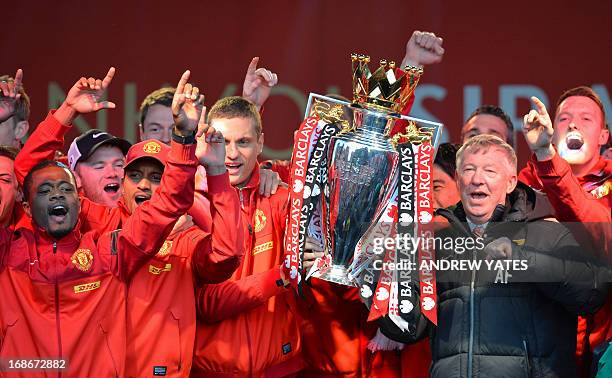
[{"x": 336, "y": 274}]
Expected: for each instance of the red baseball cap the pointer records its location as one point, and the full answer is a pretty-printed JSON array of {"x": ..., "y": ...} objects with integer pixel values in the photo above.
[{"x": 151, "y": 148}]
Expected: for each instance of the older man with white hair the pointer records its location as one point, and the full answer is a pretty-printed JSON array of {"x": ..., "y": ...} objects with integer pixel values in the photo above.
[{"x": 523, "y": 324}]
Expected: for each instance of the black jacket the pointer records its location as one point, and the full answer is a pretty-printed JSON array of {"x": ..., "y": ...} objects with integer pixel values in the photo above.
[{"x": 523, "y": 328}]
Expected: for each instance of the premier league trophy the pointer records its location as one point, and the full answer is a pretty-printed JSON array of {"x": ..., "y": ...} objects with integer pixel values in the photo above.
[{"x": 347, "y": 155}]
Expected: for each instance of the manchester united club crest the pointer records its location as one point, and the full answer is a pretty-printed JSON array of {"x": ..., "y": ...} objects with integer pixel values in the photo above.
[
  {"x": 165, "y": 249},
  {"x": 82, "y": 259},
  {"x": 260, "y": 220},
  {"x": 152, "y": 148},
  {"x": 602, "y": 190}
]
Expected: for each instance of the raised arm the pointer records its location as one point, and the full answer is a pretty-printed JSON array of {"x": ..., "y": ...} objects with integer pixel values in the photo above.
[
  {"x": 258, "y": 83},
  {"x": 218, "y": 254},
  {"x": 146, "y": 229},
  {"x": 84, "y": 97},
  {"x": 591, "y": 219}
]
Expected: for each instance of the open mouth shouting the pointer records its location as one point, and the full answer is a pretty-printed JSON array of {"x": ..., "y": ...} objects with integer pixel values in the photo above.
[
  {"x": 58, "y": 213},
  {"x": 140, "y": 198},
  {"x": 574, "y": 140},
  {"x": 478, "y": 195},
  {"x": 233, "y": 168},
  {"x": 112, "y": 188}
]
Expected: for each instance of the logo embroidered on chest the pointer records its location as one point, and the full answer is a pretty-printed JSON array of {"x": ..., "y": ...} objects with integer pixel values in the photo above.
[
  {"x": 602, "y": 190},
  {"x": 82, "y": 259},
  {"x": 155, "y": 270},
  {"x": 260, "y": 220},
  {"x": 165, "y": 249},
  {"x": 263, "y": 247},
  {"x": 86, "y": 287}
]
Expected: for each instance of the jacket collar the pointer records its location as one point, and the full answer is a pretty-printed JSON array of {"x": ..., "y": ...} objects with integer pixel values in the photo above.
[
  {"x": 125, "y": 212},
  {"x": 74, "y": 237},
  {"x": 253, "y": 181}
]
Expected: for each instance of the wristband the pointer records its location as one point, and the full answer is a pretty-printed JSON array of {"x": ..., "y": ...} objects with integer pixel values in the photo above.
[{"x": 188, "y": 139}]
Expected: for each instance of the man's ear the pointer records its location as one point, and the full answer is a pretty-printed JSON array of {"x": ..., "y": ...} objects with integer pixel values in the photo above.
[
  {"x": 260, "y": 141},
  {"x": 21, "y": 129},
  {"x": 512, "y": 181},
  {"x": 141, "y": 131},
  {"x": 604, "y": 135},
  {"x": 19, "y": 195},
  {"x": 26, "y": 208},
  {"x": 77, "y": 178}
]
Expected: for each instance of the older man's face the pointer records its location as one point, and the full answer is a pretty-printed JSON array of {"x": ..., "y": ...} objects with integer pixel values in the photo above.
[{"x": 485, "y": 177}]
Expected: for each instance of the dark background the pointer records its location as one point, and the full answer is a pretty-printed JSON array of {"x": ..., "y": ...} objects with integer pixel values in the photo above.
[{"x": 492, "y": 48}]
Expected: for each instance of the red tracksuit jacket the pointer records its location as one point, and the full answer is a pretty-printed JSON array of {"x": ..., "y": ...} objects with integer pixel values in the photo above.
[
  {"x": 66, "y": 298},
  {"x": 573, "y": 202},
  {"x": 247, "y": 326},
  {"x": 161, "y": 302}
]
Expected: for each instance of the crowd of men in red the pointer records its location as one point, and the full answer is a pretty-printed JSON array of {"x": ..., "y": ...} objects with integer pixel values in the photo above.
[{"x": 163, "y": 258}]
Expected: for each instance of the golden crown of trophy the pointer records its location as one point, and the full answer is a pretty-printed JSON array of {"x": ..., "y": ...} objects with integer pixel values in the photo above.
[{"x": 387, "y": 89}]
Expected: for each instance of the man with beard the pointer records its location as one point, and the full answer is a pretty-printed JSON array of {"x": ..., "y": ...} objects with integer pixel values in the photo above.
[
  {"x": 64, "y": 292},
  {"x": 97, "y": 159},
  {"x": 567, "y": 166},
  {"x": 188, "y": 256}
]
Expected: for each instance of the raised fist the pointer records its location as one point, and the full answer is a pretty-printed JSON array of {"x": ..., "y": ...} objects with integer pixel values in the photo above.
[{"x": 423, "y": 48}]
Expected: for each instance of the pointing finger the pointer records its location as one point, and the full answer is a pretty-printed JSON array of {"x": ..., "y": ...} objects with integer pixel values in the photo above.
[
  {"x": 108, "y": 78},
  {"x": 253, "y": 65},
  {"x": 539, "y": 105},
  {"x": 179, "y": 96},
  {"x": 18, "y": 79},
  {"x": 202, "y": 126},
  {"x": 180, "y": 87}
]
